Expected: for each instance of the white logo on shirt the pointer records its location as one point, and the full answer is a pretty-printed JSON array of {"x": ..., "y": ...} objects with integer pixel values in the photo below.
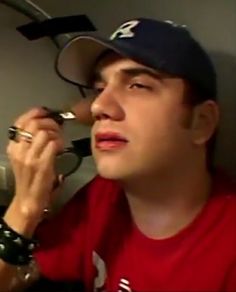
[
  {"x": 124, "y": 286},
  {"x": 99, "y": 263},
  {"x": 125, "y": 30},
  {"x": 99, "y": 282}
]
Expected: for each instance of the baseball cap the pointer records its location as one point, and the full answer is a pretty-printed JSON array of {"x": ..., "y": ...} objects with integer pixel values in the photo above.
[{"x": 161, "y": 45}]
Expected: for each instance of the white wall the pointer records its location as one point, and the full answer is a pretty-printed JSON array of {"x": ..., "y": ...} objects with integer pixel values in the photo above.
[{"x": 27, "y": 76}]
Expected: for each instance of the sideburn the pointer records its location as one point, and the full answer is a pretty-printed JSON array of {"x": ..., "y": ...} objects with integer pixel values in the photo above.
[
  {"x": 190, "y": 100},
  {"x": 187, "y": 117}
]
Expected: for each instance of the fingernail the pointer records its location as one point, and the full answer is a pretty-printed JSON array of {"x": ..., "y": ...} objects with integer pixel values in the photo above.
[{"x": 45, "y": 108}]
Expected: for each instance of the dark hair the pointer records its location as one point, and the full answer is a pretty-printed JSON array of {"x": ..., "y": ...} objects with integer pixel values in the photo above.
[{"x": 194, "y": 95}]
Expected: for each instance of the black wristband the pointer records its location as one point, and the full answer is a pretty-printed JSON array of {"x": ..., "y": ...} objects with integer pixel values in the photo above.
[{"x": 15, "y": 249}]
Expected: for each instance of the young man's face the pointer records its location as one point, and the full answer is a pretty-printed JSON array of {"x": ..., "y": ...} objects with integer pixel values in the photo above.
[{"x": 140, "y": 121}]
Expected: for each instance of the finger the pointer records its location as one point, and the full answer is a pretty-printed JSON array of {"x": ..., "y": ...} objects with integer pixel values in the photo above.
[
  {"x": 47, "y": 161},
  {"x": 37, "y": 124},
  {"x": 40, "y": 141},
  {"x": 16, "y": 151},
  {"x": 37, "y": 112},
  {"x": 21, "y": 165},
  {"x": 61, "y": 178},
  {"x": 58, "y": 182},
  {"x": 15, "y": 133},
  {"x": 14, "y": 145}
]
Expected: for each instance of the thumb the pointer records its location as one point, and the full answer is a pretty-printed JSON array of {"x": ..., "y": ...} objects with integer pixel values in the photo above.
[{"x": 58, "y": 182}]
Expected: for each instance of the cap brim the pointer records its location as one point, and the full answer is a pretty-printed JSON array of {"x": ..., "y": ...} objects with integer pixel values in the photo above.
[{"x": 77, "y": 58}]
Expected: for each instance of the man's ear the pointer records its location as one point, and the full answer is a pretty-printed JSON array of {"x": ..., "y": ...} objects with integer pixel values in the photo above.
[{"x": 204, "y": 121}]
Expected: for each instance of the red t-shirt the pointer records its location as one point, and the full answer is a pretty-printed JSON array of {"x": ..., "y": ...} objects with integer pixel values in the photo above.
[{"x": 94, "y": 239}]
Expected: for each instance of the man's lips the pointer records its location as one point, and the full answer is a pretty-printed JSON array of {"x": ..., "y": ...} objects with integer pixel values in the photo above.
[{"x": 109, "y": 140}]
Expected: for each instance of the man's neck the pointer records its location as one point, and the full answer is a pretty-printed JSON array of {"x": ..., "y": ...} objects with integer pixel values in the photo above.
[{"x": 162, "y": 207}]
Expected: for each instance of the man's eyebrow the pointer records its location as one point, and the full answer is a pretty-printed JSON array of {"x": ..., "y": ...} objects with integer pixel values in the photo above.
[{"x": 131, "y": 72}]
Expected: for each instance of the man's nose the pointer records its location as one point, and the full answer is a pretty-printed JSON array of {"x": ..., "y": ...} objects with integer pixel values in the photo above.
[{"x": 107, "y": 105}]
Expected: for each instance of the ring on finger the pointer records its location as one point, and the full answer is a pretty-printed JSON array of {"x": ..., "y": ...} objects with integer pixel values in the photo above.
[{"x": 14, "y": 133}]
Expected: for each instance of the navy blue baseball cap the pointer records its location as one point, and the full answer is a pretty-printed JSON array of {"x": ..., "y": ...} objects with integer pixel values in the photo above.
[{"x": 161, "y": 45}]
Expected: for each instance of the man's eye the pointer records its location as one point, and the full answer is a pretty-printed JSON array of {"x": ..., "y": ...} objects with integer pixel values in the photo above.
[
  {"x": 139, "y": 86},
  {"x": 97, "y": 91},
  {"x": 93, "y": 92}
]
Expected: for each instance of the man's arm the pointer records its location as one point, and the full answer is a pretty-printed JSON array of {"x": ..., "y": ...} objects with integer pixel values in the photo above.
[
  {"x": 21, "y": 220},
  {"x": 32, "y": 163},
  {"x": 15, "y": 278}
]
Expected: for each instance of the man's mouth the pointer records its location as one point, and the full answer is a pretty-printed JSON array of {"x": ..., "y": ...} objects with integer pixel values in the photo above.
[{"x": 109, "y": 140}]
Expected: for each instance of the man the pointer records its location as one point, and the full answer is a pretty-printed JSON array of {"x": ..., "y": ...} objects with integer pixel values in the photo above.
[{"x": 157, "y": 218}]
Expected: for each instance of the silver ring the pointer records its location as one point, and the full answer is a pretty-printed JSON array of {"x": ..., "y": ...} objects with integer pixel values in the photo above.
[
  {"x": 26, "y": 135},
  {"x": 46, "y": 213},
  {"x": 46, "y": 210},
  {"x": 15, "y": 133}
]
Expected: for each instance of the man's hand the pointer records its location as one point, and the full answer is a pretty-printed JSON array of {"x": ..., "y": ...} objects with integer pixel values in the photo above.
[{"x": 33, "y": 162}]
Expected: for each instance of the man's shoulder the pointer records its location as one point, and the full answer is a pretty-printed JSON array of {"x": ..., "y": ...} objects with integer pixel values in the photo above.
[
  {"x": 224, "y": 185},
  {"x": 224, "y": 192}
]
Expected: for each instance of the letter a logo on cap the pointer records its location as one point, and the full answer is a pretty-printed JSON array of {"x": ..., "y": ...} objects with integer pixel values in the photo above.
[{"x": 125, "y": 30}]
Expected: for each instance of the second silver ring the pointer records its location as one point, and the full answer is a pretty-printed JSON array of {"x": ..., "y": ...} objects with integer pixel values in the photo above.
[{"x": 15, "y": 133}]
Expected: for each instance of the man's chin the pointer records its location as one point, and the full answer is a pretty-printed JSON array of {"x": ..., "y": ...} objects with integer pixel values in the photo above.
[{"x": 111, "y": 173}]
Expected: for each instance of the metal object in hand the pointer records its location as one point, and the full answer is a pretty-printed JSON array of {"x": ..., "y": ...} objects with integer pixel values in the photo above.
[
  {"x": 15, "y": 133},
  {"x": 71, "y": 158}
]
